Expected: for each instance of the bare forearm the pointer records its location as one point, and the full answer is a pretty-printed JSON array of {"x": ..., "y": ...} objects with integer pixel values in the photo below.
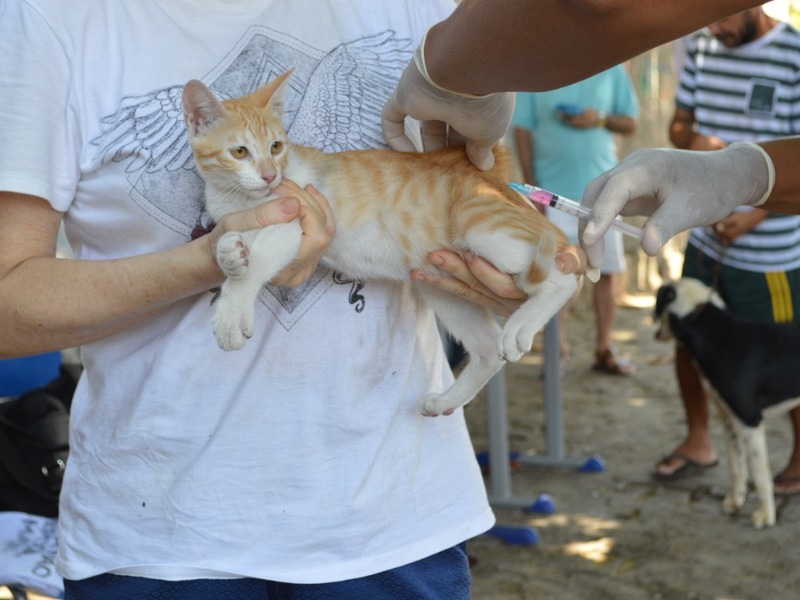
[
  {"x": 621, "y": 124},
  {"x": 489, "y": 46},
  {"x": 50, "y": 304},
  {"x": 785, "y": 196}
]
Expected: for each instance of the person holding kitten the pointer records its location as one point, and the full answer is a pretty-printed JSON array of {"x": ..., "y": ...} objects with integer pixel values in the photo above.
[{"x": 297, "y": 466}]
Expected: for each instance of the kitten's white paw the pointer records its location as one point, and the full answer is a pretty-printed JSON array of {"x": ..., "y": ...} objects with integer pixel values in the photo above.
[
  {"x": 232, "y": 253},
  {"x": 232, "y": 328},
  {"x": 434, "y": 405}
]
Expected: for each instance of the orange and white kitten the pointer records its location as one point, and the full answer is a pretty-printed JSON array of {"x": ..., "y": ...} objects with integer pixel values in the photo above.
[{"x": 391, "y": 210}]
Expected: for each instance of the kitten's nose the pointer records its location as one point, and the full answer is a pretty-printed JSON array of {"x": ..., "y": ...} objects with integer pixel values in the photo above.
[{"x": 268, "y": 178}]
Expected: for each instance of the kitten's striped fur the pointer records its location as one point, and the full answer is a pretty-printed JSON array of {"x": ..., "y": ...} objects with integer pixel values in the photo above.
[{"x": 391, "y": 210}]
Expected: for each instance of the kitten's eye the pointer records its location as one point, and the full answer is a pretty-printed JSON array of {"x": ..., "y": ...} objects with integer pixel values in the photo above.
[
  {"x": 239, "y": 152},
  {"x": 276, "y": 147}
]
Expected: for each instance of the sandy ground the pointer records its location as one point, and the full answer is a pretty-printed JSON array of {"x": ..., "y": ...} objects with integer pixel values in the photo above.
[{"x": 618, "y": 534}]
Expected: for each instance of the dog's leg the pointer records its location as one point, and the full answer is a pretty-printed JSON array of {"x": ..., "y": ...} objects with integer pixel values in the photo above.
[
  {"x": 476, "y": 328},
  {"x": 737, "y": 459},
  {"x": 756, "y": 439}
]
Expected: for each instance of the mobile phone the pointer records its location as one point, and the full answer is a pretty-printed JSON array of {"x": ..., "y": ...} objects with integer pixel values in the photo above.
[{"x": 569, "y": 110}]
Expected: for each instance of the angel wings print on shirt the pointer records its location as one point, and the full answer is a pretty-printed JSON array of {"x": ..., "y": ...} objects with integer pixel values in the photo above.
[{"x": 334, "y": 103}]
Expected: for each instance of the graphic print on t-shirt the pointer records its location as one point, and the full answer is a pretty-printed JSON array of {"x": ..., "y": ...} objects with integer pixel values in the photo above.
[{"x": 334, "y": 102}]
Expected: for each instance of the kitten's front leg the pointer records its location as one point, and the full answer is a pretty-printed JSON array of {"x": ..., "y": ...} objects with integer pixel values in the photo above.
[
  {"x": 234, "y": 314},
  {"x": 270, "y": 250},
  {"x": 232, "y": 255}
]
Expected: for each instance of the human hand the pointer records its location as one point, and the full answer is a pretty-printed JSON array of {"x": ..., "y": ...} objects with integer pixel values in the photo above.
[
  {"x": 273, "y": 212},
  {"x": 677, "y": 190},
  {"x": 474, "y": 279},
  {"x": 477, "y": 280},
  {"x": 293, "y": 202},
  {"x": 738, "y": 223},
  {"x": 586, "y": 120},
  {"x": 318, "y": 225},
  {"x": 478, "y": 121},
  {"x": 706, "y": 142}
]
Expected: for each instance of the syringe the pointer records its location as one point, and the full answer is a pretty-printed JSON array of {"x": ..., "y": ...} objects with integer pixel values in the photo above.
[{"x": 542, "y": 196}]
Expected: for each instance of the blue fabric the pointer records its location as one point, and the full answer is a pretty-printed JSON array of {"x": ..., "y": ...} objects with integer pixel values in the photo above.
[
  {"x": 443, "y": 576},
  {"x": 18, "y": 375},
  {"x": 567, "y": 159}
]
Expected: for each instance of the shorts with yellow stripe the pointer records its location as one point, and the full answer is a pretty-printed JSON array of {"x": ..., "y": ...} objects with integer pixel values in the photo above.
[{"x": 764, "y": 297}]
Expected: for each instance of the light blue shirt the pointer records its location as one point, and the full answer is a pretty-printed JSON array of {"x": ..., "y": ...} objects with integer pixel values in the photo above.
[{"x": 566, "y": 159}]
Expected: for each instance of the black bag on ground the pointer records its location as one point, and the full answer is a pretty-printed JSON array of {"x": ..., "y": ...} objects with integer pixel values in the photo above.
[{"x": 34, "y": 445}]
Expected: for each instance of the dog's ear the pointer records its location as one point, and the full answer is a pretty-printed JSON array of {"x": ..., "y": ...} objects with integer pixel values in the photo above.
[{"x": 664, "y": 297}]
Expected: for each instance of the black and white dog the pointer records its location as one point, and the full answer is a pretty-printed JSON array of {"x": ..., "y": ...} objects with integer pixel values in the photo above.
[{"x": 752, "y": 369}]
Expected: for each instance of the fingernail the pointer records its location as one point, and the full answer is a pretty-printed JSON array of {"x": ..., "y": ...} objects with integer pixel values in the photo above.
[
  {"x": 469, "y": 256},
  {"x": 567, "y": 263},
  {"x": 418, "y": 276},
  {"x": 436, "y": 260},
  {"x": 289, "y": 205}
]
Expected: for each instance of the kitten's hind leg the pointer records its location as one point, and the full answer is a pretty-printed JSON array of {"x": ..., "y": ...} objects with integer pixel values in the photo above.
[
  {"x": 477, "y": 330},
  {"x": 271, "y": 251},
  {"x": 546, "y": 299}
]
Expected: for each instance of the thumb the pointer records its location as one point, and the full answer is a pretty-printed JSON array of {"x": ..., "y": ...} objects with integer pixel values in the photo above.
[
  {"x": 480, "y": 155},
  {"x": 268, "y": 213},
  {"x": 661, "y": 227},
  {"x": 652, "y": 238}
]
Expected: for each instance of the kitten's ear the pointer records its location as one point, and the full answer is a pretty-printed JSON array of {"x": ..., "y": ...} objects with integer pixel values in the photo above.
[
  {"x": 201, "y": 109},
  {"x": 273, "y": 94}
]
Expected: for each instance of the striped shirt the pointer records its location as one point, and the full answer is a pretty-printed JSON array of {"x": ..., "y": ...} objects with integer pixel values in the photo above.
[{"x": 747, "y": 93}]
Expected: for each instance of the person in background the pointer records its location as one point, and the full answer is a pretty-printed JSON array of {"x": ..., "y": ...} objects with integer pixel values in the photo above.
[
  {"x": 565, "y": 138},
  {"x": 739, "y": 83}
]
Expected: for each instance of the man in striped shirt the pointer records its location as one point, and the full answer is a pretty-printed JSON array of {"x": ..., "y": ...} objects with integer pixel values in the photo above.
[{"x": 740, "y": 82}]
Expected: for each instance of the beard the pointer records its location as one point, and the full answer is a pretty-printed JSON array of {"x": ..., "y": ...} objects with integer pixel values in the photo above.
[{"x": 746, "y": 33}]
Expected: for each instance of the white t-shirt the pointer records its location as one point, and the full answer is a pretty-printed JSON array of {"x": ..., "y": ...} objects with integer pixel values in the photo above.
[{"x": 301, "y": 457}]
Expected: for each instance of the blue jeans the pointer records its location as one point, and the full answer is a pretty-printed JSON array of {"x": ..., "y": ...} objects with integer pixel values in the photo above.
[{"x": 443, "y": 576}]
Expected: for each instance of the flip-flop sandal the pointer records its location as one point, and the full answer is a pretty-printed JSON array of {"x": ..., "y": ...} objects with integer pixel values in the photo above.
[
  {"x": 791, "y": 483},
  {"x": 610, "y": 362},
  {"x": 689, "y": 467}
]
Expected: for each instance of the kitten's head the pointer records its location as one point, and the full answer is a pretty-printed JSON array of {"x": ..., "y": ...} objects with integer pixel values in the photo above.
[{"x": 239, "y": 145}]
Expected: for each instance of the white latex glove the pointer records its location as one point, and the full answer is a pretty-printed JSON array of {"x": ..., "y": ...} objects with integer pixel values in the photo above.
[
  {"x": 677, "y": 190},
  {"x": 480, "y": 120}
]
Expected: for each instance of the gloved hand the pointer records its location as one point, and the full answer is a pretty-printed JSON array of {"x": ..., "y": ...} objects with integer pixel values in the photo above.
[
  {"x": 677, "y": 190},
  {"x": 480, "y": 121}
]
